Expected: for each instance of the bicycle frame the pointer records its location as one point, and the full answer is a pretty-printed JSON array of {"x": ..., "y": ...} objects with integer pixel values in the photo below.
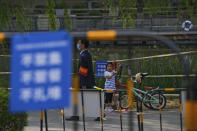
[
  {"x": 145, "y": 93},
  {"x": 142, "y": 98}
]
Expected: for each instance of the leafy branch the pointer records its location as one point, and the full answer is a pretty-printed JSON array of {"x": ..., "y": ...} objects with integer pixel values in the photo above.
[
  {"x": 127, "y": 9},
  {"x": 50, "y": 11},
  {"x": 11, "y": 11},
  {"x": 124, "y": 10}
]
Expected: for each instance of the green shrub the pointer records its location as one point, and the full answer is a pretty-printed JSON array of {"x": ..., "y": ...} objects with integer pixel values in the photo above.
[{"x": 8, "y": 121}]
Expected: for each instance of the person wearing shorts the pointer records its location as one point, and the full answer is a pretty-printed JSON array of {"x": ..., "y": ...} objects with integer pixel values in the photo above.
[
  {"x": 109, "y": 85},
  {"x": 108, "y": 98}
]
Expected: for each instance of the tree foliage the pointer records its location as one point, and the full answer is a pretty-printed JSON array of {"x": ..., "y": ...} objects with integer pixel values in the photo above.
[
  {"x": 51, "y": 14},
  {"x": 13, "y": 14},
  {"x": 10, "y": 11},
  {"x": 8, "y": 121},
  {"x": 122, "y": 8},
  {"x": 67, "y": 19},
  {"x": 128, "y": 9}
]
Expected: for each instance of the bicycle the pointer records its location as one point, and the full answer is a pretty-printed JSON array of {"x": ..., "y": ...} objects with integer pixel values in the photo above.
[{"x": 149, "y": 97}]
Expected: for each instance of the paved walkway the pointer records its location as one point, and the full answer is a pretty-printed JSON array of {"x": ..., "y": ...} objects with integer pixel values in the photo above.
[{"x": 171, "y": 122}]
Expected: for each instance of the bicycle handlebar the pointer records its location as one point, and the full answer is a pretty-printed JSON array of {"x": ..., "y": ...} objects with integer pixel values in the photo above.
[{"x": 144, "y": 74}]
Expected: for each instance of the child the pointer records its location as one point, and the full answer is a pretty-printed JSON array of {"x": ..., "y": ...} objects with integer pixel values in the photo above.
[{"x": 109, "y": 84}]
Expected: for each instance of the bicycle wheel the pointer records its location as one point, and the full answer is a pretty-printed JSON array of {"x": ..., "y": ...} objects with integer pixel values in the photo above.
[
  {"x": 146, "y": 102},
  {"x": 154, "y": 101},
  {"x": 124, "y": 101}
]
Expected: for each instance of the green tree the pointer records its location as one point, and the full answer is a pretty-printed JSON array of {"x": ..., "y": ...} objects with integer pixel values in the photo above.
[
  {"x": 67, "y": 21},
  {"x": 124, "y": 8},
  {"x": 13, "y": 10},
  {"x": 12, "y": 14},
  {"x": 128, "y": 9},
  {"x": 51, "y": 14}
]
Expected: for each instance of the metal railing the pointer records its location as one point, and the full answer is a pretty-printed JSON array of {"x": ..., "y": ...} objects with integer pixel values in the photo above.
[{"x": 86, "y": 19}]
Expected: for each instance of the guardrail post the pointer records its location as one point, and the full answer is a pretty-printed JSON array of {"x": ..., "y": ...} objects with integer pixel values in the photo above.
[
  {"x": 138, "y": 114},
  {"x": 120, "y": 111},
  {"x": 160, "y": 113},
  {"x": 83, "y": 109},
  {"x": 41, "y": 120},
  {"x": 75, "y": 100},
  {"x": 141, "y": 115},
  {"x": 63, "y": 119},
  {"x": 181, "y": 123},
  {"x": 101, "y": 111},
  {"x": 46, "y": 122},
  {"x": 191, "y": 106},
  {"x": 130, "y": 103}
]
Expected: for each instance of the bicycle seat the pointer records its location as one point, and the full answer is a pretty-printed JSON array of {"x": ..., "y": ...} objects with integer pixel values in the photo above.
[
  {"x": 148, "y": 88},
  {"x": 144, "y": 74}
]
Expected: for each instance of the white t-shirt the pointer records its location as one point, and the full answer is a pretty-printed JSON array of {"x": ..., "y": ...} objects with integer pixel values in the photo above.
[{"x": 109, "y": 83}]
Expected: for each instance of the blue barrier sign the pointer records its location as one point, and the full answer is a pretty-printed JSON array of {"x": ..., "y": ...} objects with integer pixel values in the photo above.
[
  {"x": 100, "y": 68},
  {"x": 41, "y": 71}
]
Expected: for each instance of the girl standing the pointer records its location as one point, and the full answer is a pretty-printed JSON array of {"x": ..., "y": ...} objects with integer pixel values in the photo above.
[{"x": 109, "y": 84}]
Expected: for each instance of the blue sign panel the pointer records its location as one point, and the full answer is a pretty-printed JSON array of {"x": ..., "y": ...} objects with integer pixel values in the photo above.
[
  {"x": 41, "y": 71},
  {"x": 100, "y": 68}
]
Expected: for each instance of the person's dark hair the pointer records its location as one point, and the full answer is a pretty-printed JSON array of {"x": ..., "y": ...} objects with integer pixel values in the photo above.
[
  {"x": 109, "y": 63},
  {"x": 85, "y": 42}
]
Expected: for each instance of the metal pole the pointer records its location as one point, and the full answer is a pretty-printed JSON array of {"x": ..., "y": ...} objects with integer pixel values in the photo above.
[
  {"x": 191, "y": 106},
  {"x": 101, "y": 111},
  {"x": 138, "y": 114},
  {"x": 130, "y": 122},
  {"x": 46, "y": 122},
  {"x": 63, "y": 119},
  {"x": 41, "y": 120},
  {"x": 120, "y": 111},
  {"x": 141, "y": 116},
  {"x": 181, "y": 124},
  {"x": 130, "y": 103},
  {"x": 75, "y": 100},
  {"x": 83, "y": 109},
  {"x": 160, "y": 113}
]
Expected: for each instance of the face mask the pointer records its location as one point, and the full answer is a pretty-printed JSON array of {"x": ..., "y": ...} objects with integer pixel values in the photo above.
[{"x": 78, "y": 47}]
